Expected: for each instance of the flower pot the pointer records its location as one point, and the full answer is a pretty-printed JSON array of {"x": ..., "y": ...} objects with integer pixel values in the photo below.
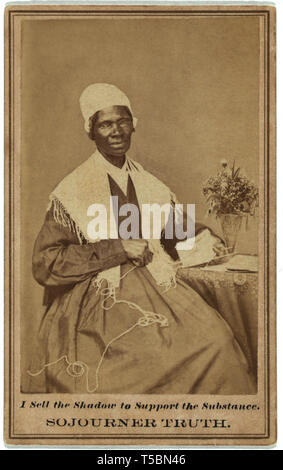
[{"x": 231, "y": 226}]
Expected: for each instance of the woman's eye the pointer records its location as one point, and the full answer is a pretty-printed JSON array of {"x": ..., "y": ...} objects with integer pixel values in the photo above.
[
  {"x": 108, "y": 125},
  {"x": 105, "y": 125},
  {"x": 125, "y": 122}
]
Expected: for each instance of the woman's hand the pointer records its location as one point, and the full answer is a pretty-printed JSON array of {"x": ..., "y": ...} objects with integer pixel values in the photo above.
[
  {"x": 137, "y": 252},
  {"x": 219, "y": 248}
]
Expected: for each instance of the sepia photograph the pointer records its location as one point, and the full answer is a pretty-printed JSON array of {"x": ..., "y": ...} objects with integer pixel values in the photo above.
[{"x": 140, "y": 218}]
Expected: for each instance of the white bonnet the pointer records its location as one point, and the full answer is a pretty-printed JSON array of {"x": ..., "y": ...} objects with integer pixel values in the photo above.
[{"x": 99, "y": 96}]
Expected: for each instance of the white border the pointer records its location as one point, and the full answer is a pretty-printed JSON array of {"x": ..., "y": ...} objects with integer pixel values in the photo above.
[{"x": 279, "y": 6}]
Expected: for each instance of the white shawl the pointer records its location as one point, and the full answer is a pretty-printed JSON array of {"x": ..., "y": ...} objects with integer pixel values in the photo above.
[{"x": 88, "y": 184}]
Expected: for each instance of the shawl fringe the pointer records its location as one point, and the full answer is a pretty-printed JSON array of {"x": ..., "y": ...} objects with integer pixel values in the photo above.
[{"x": 63, "y": 218}]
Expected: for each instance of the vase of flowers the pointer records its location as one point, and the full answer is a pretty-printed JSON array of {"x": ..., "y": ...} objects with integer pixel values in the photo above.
[
  {"x": 231, "y": 226},
  {"x": 231, "y": 196}
]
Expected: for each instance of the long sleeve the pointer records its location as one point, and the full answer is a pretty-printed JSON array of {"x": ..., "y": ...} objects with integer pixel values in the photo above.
[{"x": 59, "y": 259}]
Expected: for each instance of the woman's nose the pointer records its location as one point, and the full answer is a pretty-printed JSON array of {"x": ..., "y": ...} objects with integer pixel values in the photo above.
[{"x": 116, "y": 129}]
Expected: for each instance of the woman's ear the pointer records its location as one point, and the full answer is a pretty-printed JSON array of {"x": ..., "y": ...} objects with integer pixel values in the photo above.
[
  {"x": 90, "y": 126},
  {"x": 90, "y": 134}
]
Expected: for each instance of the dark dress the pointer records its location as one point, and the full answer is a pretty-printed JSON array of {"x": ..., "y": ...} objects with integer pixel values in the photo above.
[{"x": 86, "y": 345}]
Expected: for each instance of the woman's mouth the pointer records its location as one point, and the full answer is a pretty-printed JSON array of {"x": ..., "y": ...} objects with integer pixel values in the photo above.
[{"x": 117, "y": 144}]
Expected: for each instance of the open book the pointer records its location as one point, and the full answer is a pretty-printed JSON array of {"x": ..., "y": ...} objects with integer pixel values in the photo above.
[{"x": 202, "y": 253}]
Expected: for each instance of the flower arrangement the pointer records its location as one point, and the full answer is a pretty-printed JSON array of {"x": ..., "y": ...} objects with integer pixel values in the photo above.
[{"x": 229, "y": 192}]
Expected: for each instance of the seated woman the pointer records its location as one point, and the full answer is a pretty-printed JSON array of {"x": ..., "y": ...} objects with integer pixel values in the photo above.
[{"x": 117, "y": 318}]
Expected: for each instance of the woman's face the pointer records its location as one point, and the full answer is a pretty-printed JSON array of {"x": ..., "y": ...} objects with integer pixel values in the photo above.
[{"x": 112, "y": 131}]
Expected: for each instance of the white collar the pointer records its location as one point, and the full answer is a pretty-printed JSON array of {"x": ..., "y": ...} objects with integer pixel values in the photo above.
[
  {"x": 120, "y": 175},
  {"x": 111, "y": 169}
]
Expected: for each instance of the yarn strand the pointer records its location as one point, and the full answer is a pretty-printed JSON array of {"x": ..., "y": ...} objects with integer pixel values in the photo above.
[{"x": 79, "y": 368}]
